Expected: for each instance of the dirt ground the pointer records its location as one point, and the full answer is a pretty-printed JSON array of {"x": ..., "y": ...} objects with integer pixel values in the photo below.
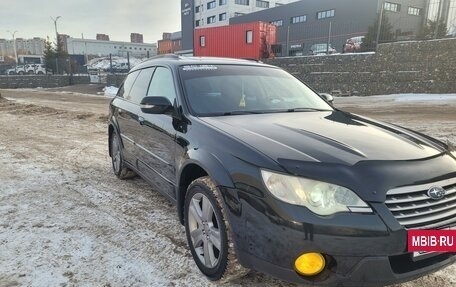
[{"x": 65, "y": 220}]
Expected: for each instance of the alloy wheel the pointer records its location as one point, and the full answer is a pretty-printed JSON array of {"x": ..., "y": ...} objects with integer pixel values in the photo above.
[{"x": 204, "y": 230}]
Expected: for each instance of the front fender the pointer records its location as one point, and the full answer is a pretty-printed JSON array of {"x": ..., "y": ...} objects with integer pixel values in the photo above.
[{"x": 199, "y": 161}]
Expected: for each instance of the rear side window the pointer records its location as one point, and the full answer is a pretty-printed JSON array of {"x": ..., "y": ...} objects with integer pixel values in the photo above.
[
  {"x": 126, "y": 86},
  {"x": 139, "y": 89}
]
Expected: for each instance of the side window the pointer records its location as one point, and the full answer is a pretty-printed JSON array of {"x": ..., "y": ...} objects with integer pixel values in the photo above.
[
  {"x": 162, "y": 85},
  {"x": 128, "y": 83},
  {"x": 139, "y": 89}
]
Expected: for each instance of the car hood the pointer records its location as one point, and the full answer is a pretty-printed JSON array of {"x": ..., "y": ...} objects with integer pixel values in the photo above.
[{"x": 329, "y": 137}]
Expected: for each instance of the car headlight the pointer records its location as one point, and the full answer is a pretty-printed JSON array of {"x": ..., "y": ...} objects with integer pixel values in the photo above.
[{"x": 320, "y": 197}]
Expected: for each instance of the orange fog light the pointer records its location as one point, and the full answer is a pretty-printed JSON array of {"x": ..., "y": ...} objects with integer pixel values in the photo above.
[{"x": 310, "y": 264}]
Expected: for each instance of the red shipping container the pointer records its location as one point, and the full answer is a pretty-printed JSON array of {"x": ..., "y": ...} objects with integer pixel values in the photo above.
[{"x": 249, "y": 40}]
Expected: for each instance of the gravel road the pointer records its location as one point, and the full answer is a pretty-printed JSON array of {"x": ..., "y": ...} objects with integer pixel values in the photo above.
[{"x": 65, "y": 220}]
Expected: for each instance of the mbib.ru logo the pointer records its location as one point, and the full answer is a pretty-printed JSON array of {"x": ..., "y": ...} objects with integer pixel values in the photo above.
[{"x": 431, "y": 240}]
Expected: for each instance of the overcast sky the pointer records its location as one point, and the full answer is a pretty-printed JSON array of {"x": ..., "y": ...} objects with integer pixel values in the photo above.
[{"x": 116, "y": 18}]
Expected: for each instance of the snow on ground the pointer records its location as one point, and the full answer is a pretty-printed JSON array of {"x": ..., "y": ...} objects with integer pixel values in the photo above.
[
  {"x": 110, "y": 91},
  {"x": 104, "y": 63},
  {"x": 415, "y": 97}
]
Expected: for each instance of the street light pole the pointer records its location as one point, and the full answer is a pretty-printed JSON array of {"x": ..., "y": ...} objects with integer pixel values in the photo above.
[
  {"x": 14, "y": 44},
  {"x": 55, "y": 26},
  {"x": 56, "y": 40}
]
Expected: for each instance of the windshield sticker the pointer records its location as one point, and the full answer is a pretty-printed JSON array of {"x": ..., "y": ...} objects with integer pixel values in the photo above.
[{"x": 200, "y": 68}]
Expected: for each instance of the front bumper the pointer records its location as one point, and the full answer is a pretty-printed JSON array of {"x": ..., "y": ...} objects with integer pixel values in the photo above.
[
  {"x": 361, "y": 249},
  {"x": 367, "y": 271}
]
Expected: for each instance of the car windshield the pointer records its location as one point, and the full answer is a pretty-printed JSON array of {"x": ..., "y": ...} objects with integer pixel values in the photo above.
[{"x": 214, "y": 90}]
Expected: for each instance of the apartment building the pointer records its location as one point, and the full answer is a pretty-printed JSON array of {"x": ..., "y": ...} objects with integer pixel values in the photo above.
[{"x": 34, "y": 46}]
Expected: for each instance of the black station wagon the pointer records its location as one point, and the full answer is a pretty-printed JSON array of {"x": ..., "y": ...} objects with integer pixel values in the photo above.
[{"x": 268, "y": 175}]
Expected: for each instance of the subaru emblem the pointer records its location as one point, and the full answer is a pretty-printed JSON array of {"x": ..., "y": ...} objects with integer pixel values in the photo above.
[{"x": 436, "y": 192}]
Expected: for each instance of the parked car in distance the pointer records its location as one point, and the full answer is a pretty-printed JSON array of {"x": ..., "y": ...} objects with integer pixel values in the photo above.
[
  {"x": 268, "y": 175},
  {"x": 321, "y": 49},
  {"x": 30, "y": 69},
  {"x": 353, "y": 45},
  {"x": 35, "y": 69},
  {"x": 17, "y": 70}
]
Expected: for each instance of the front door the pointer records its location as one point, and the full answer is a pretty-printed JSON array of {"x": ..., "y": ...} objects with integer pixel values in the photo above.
[{"x": 157, "y": 139}]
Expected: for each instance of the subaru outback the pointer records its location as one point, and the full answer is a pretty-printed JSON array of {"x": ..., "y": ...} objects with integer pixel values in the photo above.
[{"x": 266, "y": 174}]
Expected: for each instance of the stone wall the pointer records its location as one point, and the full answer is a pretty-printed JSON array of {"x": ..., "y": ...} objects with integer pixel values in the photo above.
[
  {"x": 43, "y": 81},
  {"x": 403, "y": 67}
]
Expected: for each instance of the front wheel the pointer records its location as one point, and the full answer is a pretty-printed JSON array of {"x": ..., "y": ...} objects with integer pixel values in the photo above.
[{"x": 208, "y": 232}]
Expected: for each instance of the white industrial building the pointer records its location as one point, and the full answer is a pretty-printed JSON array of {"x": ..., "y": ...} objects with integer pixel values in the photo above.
[{"x": 76, "y": 46}]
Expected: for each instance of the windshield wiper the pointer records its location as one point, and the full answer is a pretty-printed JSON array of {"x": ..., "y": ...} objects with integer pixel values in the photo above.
[
  {"x": 306, "y": 110},
  {"x": 240, "y": 112}
]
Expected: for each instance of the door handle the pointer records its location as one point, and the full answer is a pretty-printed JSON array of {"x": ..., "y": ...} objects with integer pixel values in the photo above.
[{"x": 141, "y": 120}]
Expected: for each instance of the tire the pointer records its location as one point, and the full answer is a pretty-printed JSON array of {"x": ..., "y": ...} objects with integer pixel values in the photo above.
[
  {"x": 40, "y": 73},
  {"x": 118, "y": 166},
  {"x": 208, "y": 232},
  {"x": 20, "y": 73}
]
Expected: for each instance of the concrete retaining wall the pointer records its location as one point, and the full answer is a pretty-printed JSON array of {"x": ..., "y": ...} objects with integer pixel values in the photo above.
[
  {"x": 43, "y": 81},
  {"x": 404, "y": 67}
]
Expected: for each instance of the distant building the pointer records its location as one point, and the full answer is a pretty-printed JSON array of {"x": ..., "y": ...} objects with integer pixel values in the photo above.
[
  {"x": 34, "y": 46},
  {"x": 445, "y": 11},
  {"x": 101, "y": 48},
  {"x": 102, "y": 37},
  {"x": 305, "y": 23},
  {"x": 170, "y": 43},
  {"x": 62, "y": 38},
  {"x": 211, "y": 13},
  {"x": 136, "y": 38}
]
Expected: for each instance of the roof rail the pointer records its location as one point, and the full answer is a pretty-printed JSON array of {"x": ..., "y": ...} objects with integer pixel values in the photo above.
[
  {"x": 169, "y": 56},
  {"x": 252, "y": 59}
]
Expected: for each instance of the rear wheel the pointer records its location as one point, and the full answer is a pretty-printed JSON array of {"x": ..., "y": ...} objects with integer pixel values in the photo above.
[
  {"x": 208, "y": 232},
  {"x": 118, "y": 166}
]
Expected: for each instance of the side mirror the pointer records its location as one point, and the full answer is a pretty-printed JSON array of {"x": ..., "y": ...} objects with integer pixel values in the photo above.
[
  {"x": 327, "y": 97},
  {"x": 155, "y": 105}
]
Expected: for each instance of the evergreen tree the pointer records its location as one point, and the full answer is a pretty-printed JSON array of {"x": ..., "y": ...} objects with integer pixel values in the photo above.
[
  {"x": 50, "y": 56},
  {"x": 62, "y": 57},
  {"x": 386, "y": 34}
]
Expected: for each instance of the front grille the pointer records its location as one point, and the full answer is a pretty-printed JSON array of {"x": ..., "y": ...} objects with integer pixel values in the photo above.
[{"x": 414, "y": 209}]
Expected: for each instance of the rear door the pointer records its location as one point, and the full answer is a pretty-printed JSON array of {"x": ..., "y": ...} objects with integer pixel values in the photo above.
[{"x": 126, "y": 113}]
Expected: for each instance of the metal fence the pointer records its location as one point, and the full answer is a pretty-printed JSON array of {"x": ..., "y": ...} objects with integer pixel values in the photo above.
[{"x": 358, "y": 36}]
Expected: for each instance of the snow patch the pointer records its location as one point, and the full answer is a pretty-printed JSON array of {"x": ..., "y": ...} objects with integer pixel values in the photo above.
[
  {"x": 110, "y": 91},
  {"x": 438, "y": 98},
  {"x": 423, "y": 97}
]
